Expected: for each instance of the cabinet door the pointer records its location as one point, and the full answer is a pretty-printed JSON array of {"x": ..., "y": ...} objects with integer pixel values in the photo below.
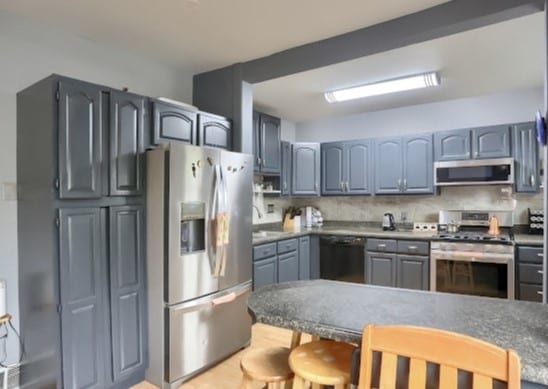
[
  {"x": 286, "y": 169},
  {"x": 491, "y": 142},
  {"x": 80, "y": 140},
  {"x": 256, "y": 142},
  {"x": 126, "y": 144},
  {"x": 304, "y": 258},
  {"x": 388, "y": 166},
  {"x": 270, "y": 144},
  {"x": 82, "y": 282},
  {"x": 332, "y": 155},
  {"x": 380, "y": 269},
  {"x": 265, "y": 272},
  {"x": 306, "y": 169},
  {"x": 452, "y": 145},
  {"x": 288, "y": 266},
  {"x": 127, "y": 290},
  {"x": 418, "y": 162},
  {"x": 214, "y": 131},
  {"x": 526, "y": 158},
  {"x": 412, "y": 272},
  {"x": 172, "y": 123},
  {"x": 359, "y": 167}
]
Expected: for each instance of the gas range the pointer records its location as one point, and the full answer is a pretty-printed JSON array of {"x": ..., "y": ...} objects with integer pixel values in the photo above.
[{"x": 475, "y": 237}]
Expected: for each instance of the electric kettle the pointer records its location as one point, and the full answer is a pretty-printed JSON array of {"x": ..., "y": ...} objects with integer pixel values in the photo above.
[{"x": 388, "y": 222}]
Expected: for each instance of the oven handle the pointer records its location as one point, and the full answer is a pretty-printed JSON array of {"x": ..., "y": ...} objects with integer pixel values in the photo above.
[{"x": 471, "y": 256}]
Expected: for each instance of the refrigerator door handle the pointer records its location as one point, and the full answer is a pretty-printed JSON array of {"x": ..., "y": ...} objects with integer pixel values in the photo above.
[
  {"x": 213, "y": 229},
  {"x": 208, "y": 302}
]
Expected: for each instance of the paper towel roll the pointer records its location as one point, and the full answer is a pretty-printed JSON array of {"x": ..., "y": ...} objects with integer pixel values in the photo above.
[{"x": 2, "y": 298}]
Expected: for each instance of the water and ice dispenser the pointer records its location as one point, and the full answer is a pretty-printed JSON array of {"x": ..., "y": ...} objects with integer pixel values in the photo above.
[{"x": 192, "y": 227}]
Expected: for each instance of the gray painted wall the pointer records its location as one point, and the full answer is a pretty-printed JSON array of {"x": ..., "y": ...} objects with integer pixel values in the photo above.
[
  {"x": 446, "y": 115},
  {"x": 30, "y": 52}
]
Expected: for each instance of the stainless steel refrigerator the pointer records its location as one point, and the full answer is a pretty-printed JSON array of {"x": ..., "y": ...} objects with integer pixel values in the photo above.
[{"x": 199, "y": 268}]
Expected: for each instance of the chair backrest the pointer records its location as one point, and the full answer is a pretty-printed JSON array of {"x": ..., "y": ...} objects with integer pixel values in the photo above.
[{"x": 451, "y": 351}]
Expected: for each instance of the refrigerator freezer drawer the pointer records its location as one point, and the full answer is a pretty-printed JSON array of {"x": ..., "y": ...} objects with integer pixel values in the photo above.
[{"x": 202, "y": 332}]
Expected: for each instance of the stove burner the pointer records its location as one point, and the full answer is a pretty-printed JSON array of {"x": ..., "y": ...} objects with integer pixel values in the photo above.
[{"x": 474, "y": 236}]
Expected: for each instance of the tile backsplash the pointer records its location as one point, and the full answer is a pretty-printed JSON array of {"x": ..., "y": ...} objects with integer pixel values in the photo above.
[{"x": 420, "y": 208}]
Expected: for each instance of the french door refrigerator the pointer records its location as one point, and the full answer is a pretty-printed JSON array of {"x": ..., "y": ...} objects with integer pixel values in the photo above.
[{"x": 199, "y": 268}]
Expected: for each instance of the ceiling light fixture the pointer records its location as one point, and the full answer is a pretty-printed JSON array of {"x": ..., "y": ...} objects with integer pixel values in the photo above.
[{"x": 382, "y": 87}]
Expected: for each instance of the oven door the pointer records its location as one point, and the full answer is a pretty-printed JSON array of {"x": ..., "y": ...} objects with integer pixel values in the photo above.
[{"x": 491, "y": 275}]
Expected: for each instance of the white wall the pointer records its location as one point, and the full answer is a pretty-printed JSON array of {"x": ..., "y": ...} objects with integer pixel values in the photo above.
[
  {"x": 446, "y": 115},
  {"x": 30, "y": 52},
  {"x": 288, "y": 130}
]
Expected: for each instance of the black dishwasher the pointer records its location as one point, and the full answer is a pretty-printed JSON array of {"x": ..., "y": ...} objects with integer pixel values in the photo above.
[{"x": 342, "y": 258}]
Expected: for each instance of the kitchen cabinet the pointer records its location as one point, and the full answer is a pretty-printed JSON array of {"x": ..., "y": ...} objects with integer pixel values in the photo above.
[
  {"x": 173, "y": 123},
  {"x": 526, "y": 157},
  {"x": 397, "y": 263},
  {"x": 347, "y": 167},
  {"x": 491, "y": 142},
  {"x": 305, "y": 169},
  {"x": 452, "y": 145},
  {"x": 214, "y": 131},
  {"x": 285, "y": 180},
  {"x": 265, "y": 272},
  {"x": 529, "y": 260},
  {"x": 304, "y": 258},
  {"x": 267, "y": 143},
  {"x": 288, "y": 266},
  {"x": 403, "y": 165}
]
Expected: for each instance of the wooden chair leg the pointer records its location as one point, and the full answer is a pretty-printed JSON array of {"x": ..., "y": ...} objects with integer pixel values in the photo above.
[
  {"x": 295, "y": 340},
  {"x": 316, "y": 386},
  {"x": 247, "y": 383},
  {"x": 288, "y": 384},
  {"x": 298, "y": 383}
]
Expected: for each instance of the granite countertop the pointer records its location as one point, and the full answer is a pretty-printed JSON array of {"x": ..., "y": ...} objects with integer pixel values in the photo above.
[
  {"x": 526, "y": 239},
  {"x": 339, "y": 310}
]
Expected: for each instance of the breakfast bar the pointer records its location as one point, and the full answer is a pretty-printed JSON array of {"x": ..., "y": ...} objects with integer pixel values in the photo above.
[{"x": 339, "y": 311}]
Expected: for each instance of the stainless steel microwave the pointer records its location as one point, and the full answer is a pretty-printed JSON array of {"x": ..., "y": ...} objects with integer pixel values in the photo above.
[{"x": 474, "y": 172}]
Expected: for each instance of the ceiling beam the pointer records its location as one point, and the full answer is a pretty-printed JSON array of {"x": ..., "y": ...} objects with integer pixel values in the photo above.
[{"x": 445, "y": 19}]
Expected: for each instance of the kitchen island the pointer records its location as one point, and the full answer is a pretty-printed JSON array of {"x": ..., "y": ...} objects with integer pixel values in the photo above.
[{"x": 339, "y": 310}]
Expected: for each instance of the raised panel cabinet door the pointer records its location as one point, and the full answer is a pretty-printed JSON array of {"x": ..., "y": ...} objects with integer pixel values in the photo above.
[
  {"x": 304, "y": 258},
  {"x": 265, "y": 272},
  {"x": 172, "y": 123},
  {"x": 306, "y": 169},
  {"x": 126, "y": 144},
  {"x": 388, "y": 166},
  {"x": 452, "y": 145},
  {"x": 333, "y": 164},
  {"x": 491, "y": 142},
  {"x": 412, "y": 272},
  {"x": 256, "y": 142},
  {"x": 271, "y": 147},
  {"x": 288, "y": 266},
  {"x": 359, "y": 167},
  {"x": 82, "y": 281},
  {"x": 418, "y": 160},
  {"x": 285, "y": 184},
  {"x": 127, "y": 290},
  {"x": 380, "y": 269},
  {"x": 80, "y": 140},
  {"x": 215, "y": 131},
  {"x": 526, "y": 158}
]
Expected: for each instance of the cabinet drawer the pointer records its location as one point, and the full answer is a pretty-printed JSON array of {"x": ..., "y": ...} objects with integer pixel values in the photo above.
[
  {"x": 285, "y": 246},
  {"x": 264, "y": 251},
  {"x": 382, "y": 245},
  {"x": 530, "y": 292},
  {"x": 530, "y": 254},
  {"x": 413, "y": 247},
  {"x": 530, "y": 273}
]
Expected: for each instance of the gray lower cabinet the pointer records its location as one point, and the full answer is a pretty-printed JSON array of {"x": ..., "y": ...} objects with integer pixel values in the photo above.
[
  {"x": 380, "y": 269},
  {"x": 265, "y": 272},
  {"x": 288, "y": 266},
  {"x": 285, "y": 179},
  {"x": 214, "y": 131},
  {"x": 526, "y": 157},
  {"x": 529, "y": 274},
  {"x": 304, "y": 258},
  {"x": 172, "y": 123},
  {"x": 452, "y": 145},
  {"x": 412, "y": 272},
  {"x": 347, "y": 167},
  {"x": 306, "y": 169},
  {"x": 491, "y": 142}
]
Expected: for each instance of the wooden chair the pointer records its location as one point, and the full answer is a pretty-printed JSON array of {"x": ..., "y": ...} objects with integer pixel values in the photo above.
[
  {"x": 449, "y": 350},
  {"x": 268, "y": 365}
]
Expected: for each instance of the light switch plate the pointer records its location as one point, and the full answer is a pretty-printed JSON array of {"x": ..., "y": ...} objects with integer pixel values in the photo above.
[{"x": 9, "y": 191}]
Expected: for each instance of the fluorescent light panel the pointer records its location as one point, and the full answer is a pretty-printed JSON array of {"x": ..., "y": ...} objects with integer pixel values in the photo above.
[{"x": 383, "y": 87}]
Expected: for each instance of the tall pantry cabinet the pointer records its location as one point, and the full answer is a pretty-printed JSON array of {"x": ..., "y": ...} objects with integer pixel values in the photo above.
[{"x": 81, "y": 234}]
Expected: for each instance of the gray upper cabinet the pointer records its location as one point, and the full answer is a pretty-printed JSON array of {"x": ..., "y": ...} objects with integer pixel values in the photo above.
[
  {"x": 333, "y": 168},
  {"x": 127, "y": 290},
  {"x": 526, "y": 158},
  {"x": 82, "y": 281},
  {"x": 346, "y": 167},
  {"x": 418, "y": 161},
  {"x": 126, "y": 144},
  {"x": 270, "y": 144},
  {"x": 491, "y": 142},
  {"x": 80, "y": 140},
  {"x": 215, "y": 131},
  {"x": 285, "y": 179},
  {"x": 173, "y": 123},
  {"x": 256, "y": 142},
  {"x": 452, "y": 145},
  {"x": 388, "y": 166},
  {"x": 306, "y": 169}
]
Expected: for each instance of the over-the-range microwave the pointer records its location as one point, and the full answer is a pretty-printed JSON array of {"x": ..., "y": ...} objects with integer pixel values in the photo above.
[{"x": 474, "y": 172}]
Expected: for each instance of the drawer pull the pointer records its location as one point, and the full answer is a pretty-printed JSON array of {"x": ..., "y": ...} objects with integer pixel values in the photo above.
[
  {"x": 540, "y": 271},
  {"x": 540, "y": 255},
  {"x": 539, "y": 292},
  {"x": 412, "y": 247},
  {"x": 381, "y": 246}
]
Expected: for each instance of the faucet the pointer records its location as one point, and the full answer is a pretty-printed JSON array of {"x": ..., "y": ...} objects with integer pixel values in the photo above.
[{"x": 259, "y": 214}]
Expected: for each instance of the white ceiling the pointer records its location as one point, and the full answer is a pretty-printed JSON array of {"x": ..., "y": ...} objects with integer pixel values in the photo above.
[
  {"x": 493, "y": 59},
  {"x": 201, "y": 35}
]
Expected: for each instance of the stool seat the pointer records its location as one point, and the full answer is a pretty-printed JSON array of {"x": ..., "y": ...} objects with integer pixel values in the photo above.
[
  {"x": 323, "y": 362},
  {"x": 268, "y": 365}
]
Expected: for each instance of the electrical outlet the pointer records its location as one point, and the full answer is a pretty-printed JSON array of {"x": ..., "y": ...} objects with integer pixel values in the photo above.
[
  {"x": 270, "y": 208},
  {"x": 9, "y": 191}
]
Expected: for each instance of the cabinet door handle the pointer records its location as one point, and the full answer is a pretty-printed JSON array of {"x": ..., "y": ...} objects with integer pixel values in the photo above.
[
  {"x": 342, "y": 186},
  {"x": 264, "y": 161},
  {"x": 381, "y": 246},
  {"x": 285, "y": 185},
  {"x": 259, "y": 161},
  {"x": 540, "y": 271},
  {"x": 532, "y": 180},
  {"x": 476, "y": 154},
  {"x": 399, "y": 183},
  {"x": 540, "y": 255},
  {"x": 539, "y": 292},
  {"x": 347, "y": 187},
  {"x": 316, "y": 187},
  {"x": 404, "y": 184}
]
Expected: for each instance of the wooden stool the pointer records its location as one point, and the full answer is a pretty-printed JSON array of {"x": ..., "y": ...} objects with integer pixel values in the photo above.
[
  {"x": 324, "y": 362},
  {"x": 266, "y": 365}
]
